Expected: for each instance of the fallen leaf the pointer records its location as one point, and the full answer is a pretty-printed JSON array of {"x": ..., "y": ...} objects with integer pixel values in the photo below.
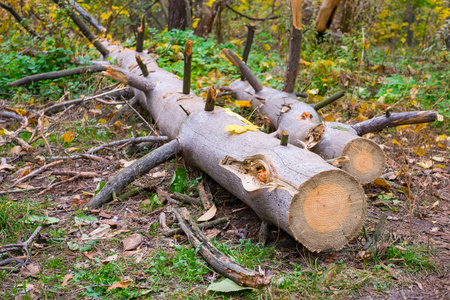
[
  {"x": 89, "y": 255},
  {"x": 419, "y": 285},
  {"x": 6, "y": 167},
  {"x": 438, "y": 158},
  {"x": 120, "y": 284},
  {"x": 31, "y": 270},
  {"x": 71, "y": 149},
  {"x": 42, "y": 220},
  {"x": 23, "y": 172},
  {"x": 66, "y": 279},
  {"x": 105, "y": 215},
  {"x": 132, "y": 242},
  {"x": 126, "y": 163},
  {"x": 69, "y": 136},
  {"x": 238, "y": 129},
  {"x": 425, "y": 164},
  {"x": 109, "y": 259},
  {"x": 243, "y": 103},
  {"x": 101, "y": 231},
  {"x": 208, "y": 215},
  {"x": 381, "y": 182},
  {"x": 227, "y": 286}
]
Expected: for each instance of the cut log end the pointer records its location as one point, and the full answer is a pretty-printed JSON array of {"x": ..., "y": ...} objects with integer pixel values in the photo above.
[
  {"x": 328, "y": 211},
  {"x": 367, "y": 160}
]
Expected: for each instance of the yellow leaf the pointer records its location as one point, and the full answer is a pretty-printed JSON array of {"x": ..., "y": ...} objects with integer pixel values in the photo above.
[
  {"x": 361, "y": 118},
  {"x": 419, "y": 127},
  {"x": 395, "y": 142},
  {"x": 419, "y": 151},
  {"x": 240, "y": 118},
  {"x": 102, "y": 121},
  {"x": 243, "y": 103},
  {"x": 381, "y": 182},
  {"x": 238, "y": 129},
  {"x": 305, "y": 63},
  {"x": 328, "y": 118},
  {"x": 21, "y": 112},
  {"x": 71, "y": 149},
  {"x": 313, "y": 91},
  {"x": 266, "y": 46},
  {"x": 403, "y": 40},
  {"x": 69, "y": 136}
]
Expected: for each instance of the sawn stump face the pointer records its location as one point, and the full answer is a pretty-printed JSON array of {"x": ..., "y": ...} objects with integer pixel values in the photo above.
[{"x": 328, "y": 211}]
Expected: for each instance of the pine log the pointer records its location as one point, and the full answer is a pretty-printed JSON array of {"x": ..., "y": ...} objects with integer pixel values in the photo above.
[
  {"x": 319, "y": 205},
  {"x": 366, "y": 159}
]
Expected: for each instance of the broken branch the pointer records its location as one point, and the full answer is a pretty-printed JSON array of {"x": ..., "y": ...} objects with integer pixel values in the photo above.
[
  {"x": 221, "y": 263},
  {"x": 130, "y": 173}
]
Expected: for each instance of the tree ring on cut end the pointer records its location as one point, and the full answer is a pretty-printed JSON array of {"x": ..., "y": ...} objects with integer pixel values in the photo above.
[
  {"x": 367, "y": 159},
  {"x": 322, "y": 213},
  {"x": 328, "y": 211}
]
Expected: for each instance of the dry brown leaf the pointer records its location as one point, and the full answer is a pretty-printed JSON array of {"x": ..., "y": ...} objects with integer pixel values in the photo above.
[
  {"x": 6, "y": 167},
  {"x": 15, "y": 150},
  {"x": 105, "y": 215},
  {"x": 89, "y": 255},
  {"x": 69, "y": 136},
  {"x": 120, "y": 284},
  {"x": 109, "y": 258},
  {"x": 23, "y": 172},
  {"x": 132, "y": 242},
  {"x": 31, "y": 270},
  {"x": 381, "y": 182},
  {"x": 208, "y": 215},
  {"x": 66, "y": 279}
]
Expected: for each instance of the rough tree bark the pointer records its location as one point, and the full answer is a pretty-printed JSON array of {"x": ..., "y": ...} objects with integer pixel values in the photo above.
[{"x": 178, "y": 18}]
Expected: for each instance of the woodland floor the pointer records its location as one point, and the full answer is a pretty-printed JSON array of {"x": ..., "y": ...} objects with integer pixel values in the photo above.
[{"x": 417, "y": 228}]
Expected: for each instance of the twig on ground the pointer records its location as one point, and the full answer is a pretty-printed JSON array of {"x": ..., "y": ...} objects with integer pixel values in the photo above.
[
  {"x": 50, "y": 187},
  {"x": 219, "y": 261},
  {"x": 36, "y": 172},
  {"x": 170, "y": 232},
  {"x": 129, "y": 141},
  {"x": 142, "y": 118},
  {"x": 21, "y": 246},
  {"x": 80, "y": 156},
  {"x": 186, "y": 199},
  {"x": 20, "y": 190}
]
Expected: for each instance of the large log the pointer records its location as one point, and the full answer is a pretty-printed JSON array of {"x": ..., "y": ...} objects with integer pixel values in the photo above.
[
  {"x": 319, "y": 205},
  {"x": 328, "y": 139}
]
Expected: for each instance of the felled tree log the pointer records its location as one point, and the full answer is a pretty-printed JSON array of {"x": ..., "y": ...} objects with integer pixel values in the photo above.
[
  {"x": 319, "y": 205},
  {"x": 302, "y": 122},
  {"x": 328, "y": 139}
]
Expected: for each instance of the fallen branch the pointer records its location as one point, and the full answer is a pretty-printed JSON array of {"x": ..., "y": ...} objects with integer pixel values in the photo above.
[
  {"x": 11, "y": 115},
  {"x": 58, "y": 74},
  {"x": 142, "y": 118},
  {"x": 130, "y": 173},
  {"x": 88, "y": 17},
  {"x": 117, "y": 115},
  {"x": 21, "y": 246},
  {"x": 50, "y": 187},
  {"x": 186, "y": 199},
  {"x": 80, "y": 156},
  {"x": 74, "y": 173},
  {"x": 20, "y": 190},
  {"x": 137, "y": 140},
  {"x": 219, "y": 261},
  {"x": 79, "y": 100},
  {"x": 36, "y": 172},
  {"x": 393, "y": 120},
  {"x": 171, "y": 232}
]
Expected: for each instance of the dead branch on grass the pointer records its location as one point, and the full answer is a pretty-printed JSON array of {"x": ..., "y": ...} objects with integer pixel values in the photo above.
[
  {"x": 219, "y": 261},
  {"x": 36, "y": 172},
  {"x": 137, "y": 140},
  {"x": 20, "y": 246}
]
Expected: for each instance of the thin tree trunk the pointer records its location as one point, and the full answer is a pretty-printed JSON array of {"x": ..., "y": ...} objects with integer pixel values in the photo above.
[{"x": 177, "y": 15}]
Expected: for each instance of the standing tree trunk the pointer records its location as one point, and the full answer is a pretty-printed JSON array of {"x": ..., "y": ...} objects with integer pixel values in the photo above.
[
  {"x": 178, "y": 18},
  {"x": 294, "y": 47},
  {"x": 325, "y": 15},
  {"x": 410, "y": 34}
]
